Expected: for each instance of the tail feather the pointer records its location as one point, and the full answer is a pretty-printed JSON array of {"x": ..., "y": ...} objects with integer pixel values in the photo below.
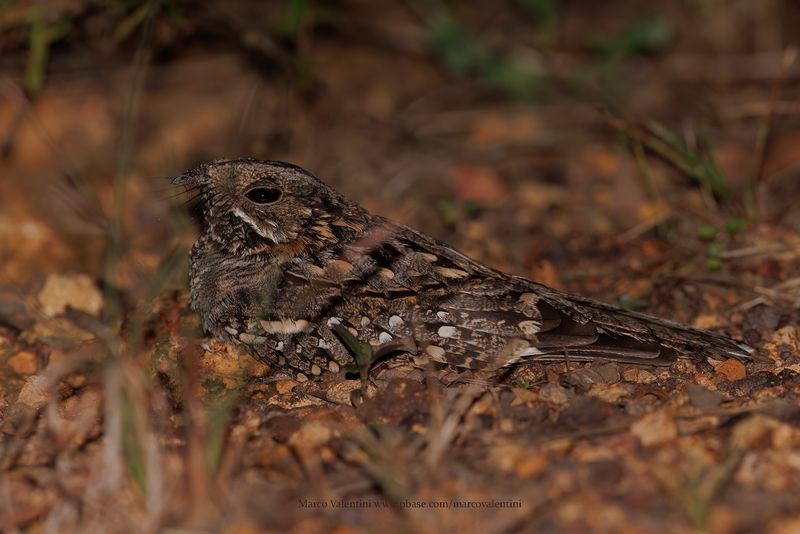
[{"x": 620, "y": 330}]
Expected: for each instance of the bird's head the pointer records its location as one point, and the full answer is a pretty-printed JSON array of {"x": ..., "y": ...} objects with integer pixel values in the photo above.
[{"x": 255, "y": 207}]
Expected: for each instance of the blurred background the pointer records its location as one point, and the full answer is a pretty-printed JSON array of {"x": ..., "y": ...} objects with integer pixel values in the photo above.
[
  {"x": 525, "y": 132},
  {"x": 643, "y": 153}
]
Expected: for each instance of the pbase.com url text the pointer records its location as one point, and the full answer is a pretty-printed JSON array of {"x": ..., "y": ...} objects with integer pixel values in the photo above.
[{"x": 444, "y": 504}]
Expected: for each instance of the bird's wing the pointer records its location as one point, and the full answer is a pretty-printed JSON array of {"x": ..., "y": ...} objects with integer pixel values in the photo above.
[
  {"x": 463, "y": 313},
  {"x": 483, "y": 309}
]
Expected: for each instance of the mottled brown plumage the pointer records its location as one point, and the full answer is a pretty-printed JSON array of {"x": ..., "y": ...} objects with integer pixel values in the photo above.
[{"x": 283, "y": 259}]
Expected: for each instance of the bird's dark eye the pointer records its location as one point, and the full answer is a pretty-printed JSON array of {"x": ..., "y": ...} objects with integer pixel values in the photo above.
[{"x": 263, "y": 195}]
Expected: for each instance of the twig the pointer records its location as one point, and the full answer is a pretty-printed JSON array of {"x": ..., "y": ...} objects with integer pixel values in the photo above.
[
  {"x": 643, "y": 227},
  {"x": 672, "y": 150},
  {"x": 755, "y": 196},
  {"x": 448, "y": 422},
  {"x": 777, "y": 292},
  {"x": 757, "y": 250}
]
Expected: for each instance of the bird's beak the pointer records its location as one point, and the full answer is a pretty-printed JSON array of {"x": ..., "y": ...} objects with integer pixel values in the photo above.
[
  {"x": 187, "y": 178},
  {"x": 192, "y": 177}
]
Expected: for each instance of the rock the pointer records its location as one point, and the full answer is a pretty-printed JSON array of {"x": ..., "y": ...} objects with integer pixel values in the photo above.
[
  {"x": 655, "y": 428},
  {"x": 586, "y": 377},
  {"x": 638, "y": 375},
  {"x": 610, "y": 393},
  {"x": 748, "y": 433},
  {"x": 24, "y": 363},
  {"x": 312, "y": 435},
  {"x": 285, "y": 386},
  {"x": 783, "y": 344},
  {"x": 77, "y": 291},
  {"x": 732, "y": 369},
  {"x": 555, "y": 394},
  {"x": 34, "y": 392}
]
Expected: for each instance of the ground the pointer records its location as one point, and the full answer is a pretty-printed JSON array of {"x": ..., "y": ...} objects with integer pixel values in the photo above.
[{"x": 644, "y": 157}]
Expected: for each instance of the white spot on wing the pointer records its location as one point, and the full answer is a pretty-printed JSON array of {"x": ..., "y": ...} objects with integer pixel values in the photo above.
[
  {"x": 524, "y": 351},
  {"x": 529, "y": 328},
  {"x": 385, "y": 337},
  {"x": 286, "y": 326},
  {"x": 395, "y": 321},
  {"x": 451, "y": 273},
  {"x": 531, "y": 351},
  {"x": 447, "y": 331},
  {"x": 386, "y": 273},
  {"x": 333, "y": 321},
  {"x": 442, "y": 315},
  {"x": 247, "y": 338}
]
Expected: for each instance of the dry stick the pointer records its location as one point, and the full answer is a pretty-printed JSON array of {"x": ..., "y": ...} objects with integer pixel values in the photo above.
[
  {"x": 385, "y": 463},
  {"x": 647, "y": 176},
  {"x": 113, "y": 384},
  {"x": 198, "y": 474},
  {"x": 711, "y": 484},
  {"x": 754, "y": 202},
  {"x": 776, "y": 293},
  {"x": 662, "y": 210},
  {"x": 770, "y": 249},
  {"x": 446, "y": 421},
  {"x": 667, "y": 152},
  {"x": 759, "y": 109},
  {"x": 644, "y": 137},
  {"x": 240, "y": 123}
]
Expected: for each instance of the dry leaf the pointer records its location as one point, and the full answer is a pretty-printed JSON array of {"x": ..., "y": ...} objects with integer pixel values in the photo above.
[
  {"x": 76, "y": 290},
  {"x": 732, "y": 369}
]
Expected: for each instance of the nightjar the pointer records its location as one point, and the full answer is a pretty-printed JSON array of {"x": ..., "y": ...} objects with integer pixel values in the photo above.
[{"x": 292, "y": 269}]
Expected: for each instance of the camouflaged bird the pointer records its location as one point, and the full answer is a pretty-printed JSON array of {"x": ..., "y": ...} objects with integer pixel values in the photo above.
[{"x": 290, "y": 268}]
